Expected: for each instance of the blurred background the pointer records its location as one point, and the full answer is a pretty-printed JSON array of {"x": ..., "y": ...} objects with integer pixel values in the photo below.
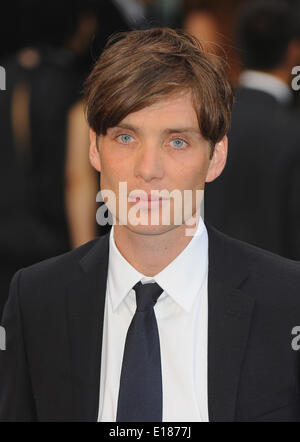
[{"x": 48, "y": 188}]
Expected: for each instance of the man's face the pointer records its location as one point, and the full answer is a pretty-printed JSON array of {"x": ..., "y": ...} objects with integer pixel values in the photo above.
[{"x": 157, "y": 148}]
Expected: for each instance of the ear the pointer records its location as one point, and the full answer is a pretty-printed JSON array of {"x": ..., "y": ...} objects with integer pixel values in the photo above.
[
  {"x": 218, "y": 160},
  {"x": 94, "y": 151}
]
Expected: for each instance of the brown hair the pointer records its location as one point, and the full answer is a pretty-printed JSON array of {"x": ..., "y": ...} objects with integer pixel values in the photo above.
[{"x": 140, "y": 68}]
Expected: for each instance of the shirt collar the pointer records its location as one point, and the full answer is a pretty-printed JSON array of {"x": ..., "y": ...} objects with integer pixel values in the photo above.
[
  {"x": 266, "y": 83},
  {"x": 122, "y": 276},
  {"x": 181, "y": 279}
]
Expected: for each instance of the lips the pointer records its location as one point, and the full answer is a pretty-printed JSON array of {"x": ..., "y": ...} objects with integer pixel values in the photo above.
[
  {"x": 144, "y": 196},
  {"x": 146, "y": 200}
]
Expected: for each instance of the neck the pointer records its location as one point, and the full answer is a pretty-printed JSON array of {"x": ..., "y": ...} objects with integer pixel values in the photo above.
[{"x": 150, "y": 254}]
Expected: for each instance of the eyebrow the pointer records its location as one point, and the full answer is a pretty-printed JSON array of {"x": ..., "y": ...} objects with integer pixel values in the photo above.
[{"x": 166, "y": 131}]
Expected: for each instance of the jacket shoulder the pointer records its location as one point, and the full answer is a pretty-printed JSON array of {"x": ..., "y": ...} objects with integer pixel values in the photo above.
[
  {"x": 52, "y": 274},
  {"x": 264, "y": 264},
  {"x": 273, "y": 281}
]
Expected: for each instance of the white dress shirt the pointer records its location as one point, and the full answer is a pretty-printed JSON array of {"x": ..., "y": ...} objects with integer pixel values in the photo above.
[
  {"x": 182, "y": 314},
  {"x": 267, "y": 83}
]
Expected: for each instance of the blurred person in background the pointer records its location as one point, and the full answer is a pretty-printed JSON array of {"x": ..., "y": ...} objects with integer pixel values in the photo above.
[
  {"x": 213, "y": 23},
  {"x": 44, "y": 79},
  {"x": 81, "y": 180},
  {"x": 264, "y": 154}
]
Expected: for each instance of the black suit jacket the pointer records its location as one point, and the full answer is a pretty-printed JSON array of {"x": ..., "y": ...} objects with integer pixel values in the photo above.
[
  {"x": 256, "y": 198},
  {"x": 50, "y": 370}
]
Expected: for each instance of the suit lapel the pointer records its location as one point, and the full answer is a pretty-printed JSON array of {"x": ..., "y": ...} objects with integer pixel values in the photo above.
[
  {"x": 85, "y": 312},
  {"x": 229, "y": 320}
]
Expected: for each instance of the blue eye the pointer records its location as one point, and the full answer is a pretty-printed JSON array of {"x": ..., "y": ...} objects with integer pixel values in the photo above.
[
  {"x": 125, "y": 138},
  {"x": 179, "y": 142}
]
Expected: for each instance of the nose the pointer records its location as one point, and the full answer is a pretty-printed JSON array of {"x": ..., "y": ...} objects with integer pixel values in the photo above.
[{"x": 149, "y": 162}]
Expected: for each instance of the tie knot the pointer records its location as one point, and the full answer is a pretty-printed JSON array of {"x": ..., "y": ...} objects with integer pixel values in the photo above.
[{"x": 146, "y": 295}]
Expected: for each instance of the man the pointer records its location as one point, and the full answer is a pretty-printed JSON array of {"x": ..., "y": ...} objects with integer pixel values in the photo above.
[
  {"x": 149, "y": 323},
  {"x": 264, "y": 157}
]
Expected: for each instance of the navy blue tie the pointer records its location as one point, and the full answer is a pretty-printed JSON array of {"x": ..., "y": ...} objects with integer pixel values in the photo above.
[{"x": 140, "y": 393}]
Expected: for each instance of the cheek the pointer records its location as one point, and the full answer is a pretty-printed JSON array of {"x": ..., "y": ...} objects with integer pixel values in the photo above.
[
  {"x": 189, "y": 173},
  {"x": 115, "y": 172},
  {"x": 113, "y": 169}
]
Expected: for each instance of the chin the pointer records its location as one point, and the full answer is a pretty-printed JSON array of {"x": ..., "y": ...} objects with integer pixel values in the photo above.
[{"x": 151, "y": 230}]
